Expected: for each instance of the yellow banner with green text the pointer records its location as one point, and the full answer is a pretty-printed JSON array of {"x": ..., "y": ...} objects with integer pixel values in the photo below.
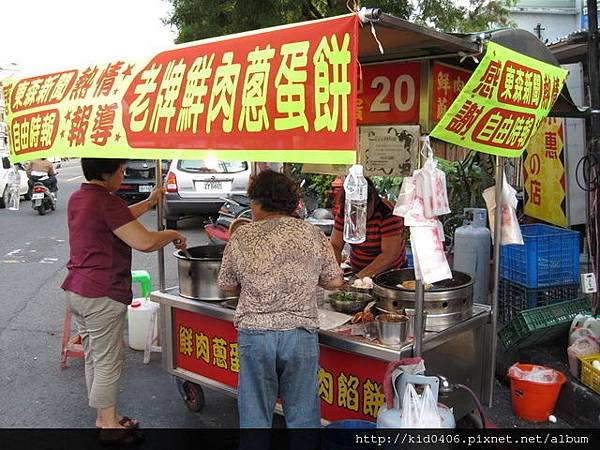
[
  {"x": 503, "y": 103},
  {"x": 284, "y": 94}
]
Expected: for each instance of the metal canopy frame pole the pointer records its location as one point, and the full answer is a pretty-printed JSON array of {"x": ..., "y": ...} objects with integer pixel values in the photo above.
[
  {"x": 160, "y": 226},
  {"x": 418, "y": 317},
  {"x": 497, "y": 244}
]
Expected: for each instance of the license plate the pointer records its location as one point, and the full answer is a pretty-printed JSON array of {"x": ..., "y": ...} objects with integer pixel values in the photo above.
[
  {"x": 213, "y": 186},
  {"x": 37, "y": 196},
  {"x": 145, "y": 188}
]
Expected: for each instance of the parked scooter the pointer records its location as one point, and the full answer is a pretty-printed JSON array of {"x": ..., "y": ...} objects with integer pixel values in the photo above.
[
  {"x": 42, "y": 199},
  {"x": 235, "y": 207}
]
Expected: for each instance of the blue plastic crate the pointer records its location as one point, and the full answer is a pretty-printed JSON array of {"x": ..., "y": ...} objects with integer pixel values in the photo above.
[
  {"x": 409, "y": 260},
  {"x": 550, "y": 257}
]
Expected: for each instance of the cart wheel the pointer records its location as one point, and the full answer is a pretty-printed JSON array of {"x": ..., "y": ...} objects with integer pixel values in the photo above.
[{"x": 194, "y": 396}]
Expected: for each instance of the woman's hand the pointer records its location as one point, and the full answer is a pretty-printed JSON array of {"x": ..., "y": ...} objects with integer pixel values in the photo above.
[
  {"x": 180, "y": 242},
  {"x": 156, "y": 195}
]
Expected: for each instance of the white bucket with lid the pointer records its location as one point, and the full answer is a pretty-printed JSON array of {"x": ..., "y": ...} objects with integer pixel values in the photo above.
[{"x": 139, "y": 316}]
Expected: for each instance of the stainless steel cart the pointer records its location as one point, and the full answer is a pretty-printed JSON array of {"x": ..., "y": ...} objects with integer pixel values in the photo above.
[{"x": 200, "y": 348}]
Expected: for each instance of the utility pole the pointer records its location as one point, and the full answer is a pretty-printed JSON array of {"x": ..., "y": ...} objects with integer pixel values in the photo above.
[{"x": 594, "y": 74}]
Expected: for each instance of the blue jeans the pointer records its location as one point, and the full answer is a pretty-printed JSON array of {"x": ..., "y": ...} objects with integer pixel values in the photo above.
[{"x": 278, "y": 362}]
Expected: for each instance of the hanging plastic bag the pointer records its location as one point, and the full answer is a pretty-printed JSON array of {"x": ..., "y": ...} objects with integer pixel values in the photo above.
[
  {"x": 431, "y": 184},
  {"x": 406, "y": 197},
  {"x": 430, "y": 416},
  {"x": 429, "y": 258},
  {"x": 510, "y": 229},
  {"x": 419, "y": 411},
  {"x": 411, "y": 408}
]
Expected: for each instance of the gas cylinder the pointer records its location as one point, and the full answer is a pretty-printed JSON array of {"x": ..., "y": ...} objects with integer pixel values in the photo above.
[{"x": 472, "y": 243}]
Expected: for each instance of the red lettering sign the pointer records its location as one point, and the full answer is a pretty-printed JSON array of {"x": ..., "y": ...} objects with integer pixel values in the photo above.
[
  {"x": 41, "y": 91},
  {"x": 521, "y": 86},
  {"x": 35, "y": 131},
  {"x": 447, "y": 83},
  {"x": 350, "y": 386},
  {"x": 504, "y": 128},
  {"x": 271, "y": 91},
  {"x": 389, "y": 94}
]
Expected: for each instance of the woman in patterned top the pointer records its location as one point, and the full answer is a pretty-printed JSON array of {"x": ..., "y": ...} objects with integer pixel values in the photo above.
[
  {"x": 276, "y": 262},
  {"x": 384, "y": 247}
]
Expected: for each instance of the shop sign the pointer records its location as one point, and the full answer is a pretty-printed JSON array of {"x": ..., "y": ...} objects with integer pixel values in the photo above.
[
  {"x": 388, "y": 94},
  {"x": 382, "y": 151},
  {"x": 350, "y": 386},
  {"x": 286, "y": 94},
  {"x": 503, "y": 103},
  {"x": 448, "y": 82},
  {"x": 388, "y": 150},
  {"x": 544, "y": 174}
]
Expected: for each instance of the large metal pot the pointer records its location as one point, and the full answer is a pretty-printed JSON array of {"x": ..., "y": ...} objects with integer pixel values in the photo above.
[
  {"x": 447, "y": 302},
  {"x": 198, "y": 274}
]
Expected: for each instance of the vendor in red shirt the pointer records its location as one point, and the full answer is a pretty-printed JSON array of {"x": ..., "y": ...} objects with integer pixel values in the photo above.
[
  {"x": 102, "y": 232},
  {"x": 384, "y": 247}
]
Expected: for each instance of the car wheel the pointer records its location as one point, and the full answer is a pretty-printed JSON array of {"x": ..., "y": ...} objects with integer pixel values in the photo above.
[
  {"x": 27, "y": 195},
  {"x": 171, "y": 224}
]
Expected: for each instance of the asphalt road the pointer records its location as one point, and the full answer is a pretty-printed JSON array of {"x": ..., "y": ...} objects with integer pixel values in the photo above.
[{"x": 34, "y": 391}]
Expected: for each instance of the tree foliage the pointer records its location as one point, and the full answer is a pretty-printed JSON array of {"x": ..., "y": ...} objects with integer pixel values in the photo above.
[{"x": 200, "y": 19}]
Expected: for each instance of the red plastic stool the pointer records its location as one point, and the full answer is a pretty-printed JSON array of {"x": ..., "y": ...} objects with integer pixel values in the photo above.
[{"x": 71, "y": 346}]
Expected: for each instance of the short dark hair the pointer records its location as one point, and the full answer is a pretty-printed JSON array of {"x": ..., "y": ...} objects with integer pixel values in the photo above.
[
  {"x": 97, "y": 168},
  {"x": 275, "y": 192}
]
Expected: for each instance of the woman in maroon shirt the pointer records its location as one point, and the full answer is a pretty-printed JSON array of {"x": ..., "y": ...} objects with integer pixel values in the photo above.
[
  {"x": 102, "y": 231},
  {"x": 384, "y": 247}
]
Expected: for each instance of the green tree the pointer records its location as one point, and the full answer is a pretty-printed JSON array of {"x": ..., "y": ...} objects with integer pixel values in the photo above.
[{"x": 200, "y": 19}]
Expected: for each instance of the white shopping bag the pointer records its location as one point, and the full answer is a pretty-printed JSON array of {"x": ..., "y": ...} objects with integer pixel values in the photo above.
[
  {"x": 431, "y": 187},
  {"x": 511, "y": 230},
  {"x": 429, "y": 258}
]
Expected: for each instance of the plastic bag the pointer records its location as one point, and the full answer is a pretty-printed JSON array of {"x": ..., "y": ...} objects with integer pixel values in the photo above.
[
  {"x": 537, "y": 374},
  {"x": 431, "y": 187},
  {"x": 510, "y": 228},
  {"x": 583, "y": 346},
  {"x": 419, "y": 411},
  {"x": 406, "y": 197},
  {"x": 429, "y": 259}
]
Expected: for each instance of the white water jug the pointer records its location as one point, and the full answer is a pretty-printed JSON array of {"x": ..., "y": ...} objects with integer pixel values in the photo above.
[{"x": 139, "y": 315}]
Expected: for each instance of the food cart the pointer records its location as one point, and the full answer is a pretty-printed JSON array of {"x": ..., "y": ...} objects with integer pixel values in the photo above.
[{"x": 295, "y": 93}]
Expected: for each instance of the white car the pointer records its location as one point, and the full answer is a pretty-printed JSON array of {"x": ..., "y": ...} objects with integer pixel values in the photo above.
[
  {"x": 199, "y": 186},
  {"x": 7, "y": 167}
]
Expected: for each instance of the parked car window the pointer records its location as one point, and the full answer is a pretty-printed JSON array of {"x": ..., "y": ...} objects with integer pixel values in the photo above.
[{"x": 202, "y": 166}]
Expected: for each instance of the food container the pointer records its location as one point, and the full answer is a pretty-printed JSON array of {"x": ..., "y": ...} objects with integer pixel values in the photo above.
[
  {"x": 198, "y": 275},
  {"x": 447, "y": 302},
  {"x": 392, "y": 328},
  {"x": 348, "y": 302}
]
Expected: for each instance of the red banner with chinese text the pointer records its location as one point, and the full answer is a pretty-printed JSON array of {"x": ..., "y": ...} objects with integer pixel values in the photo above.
[
  {"x": 448, "y": 81},
  {"x": 350, "y": 386},
  {"x": 283, "y": 94},
  {"x": 388, "y": 94},
  {"x": 502, "y": 104}
]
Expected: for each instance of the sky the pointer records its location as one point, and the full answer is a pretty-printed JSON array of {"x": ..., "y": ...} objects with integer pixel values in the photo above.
[{"x": 42, "y": 36}]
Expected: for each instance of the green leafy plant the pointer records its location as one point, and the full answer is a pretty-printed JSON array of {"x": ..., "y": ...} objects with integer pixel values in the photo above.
[{"x": 465, "y": 182}]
